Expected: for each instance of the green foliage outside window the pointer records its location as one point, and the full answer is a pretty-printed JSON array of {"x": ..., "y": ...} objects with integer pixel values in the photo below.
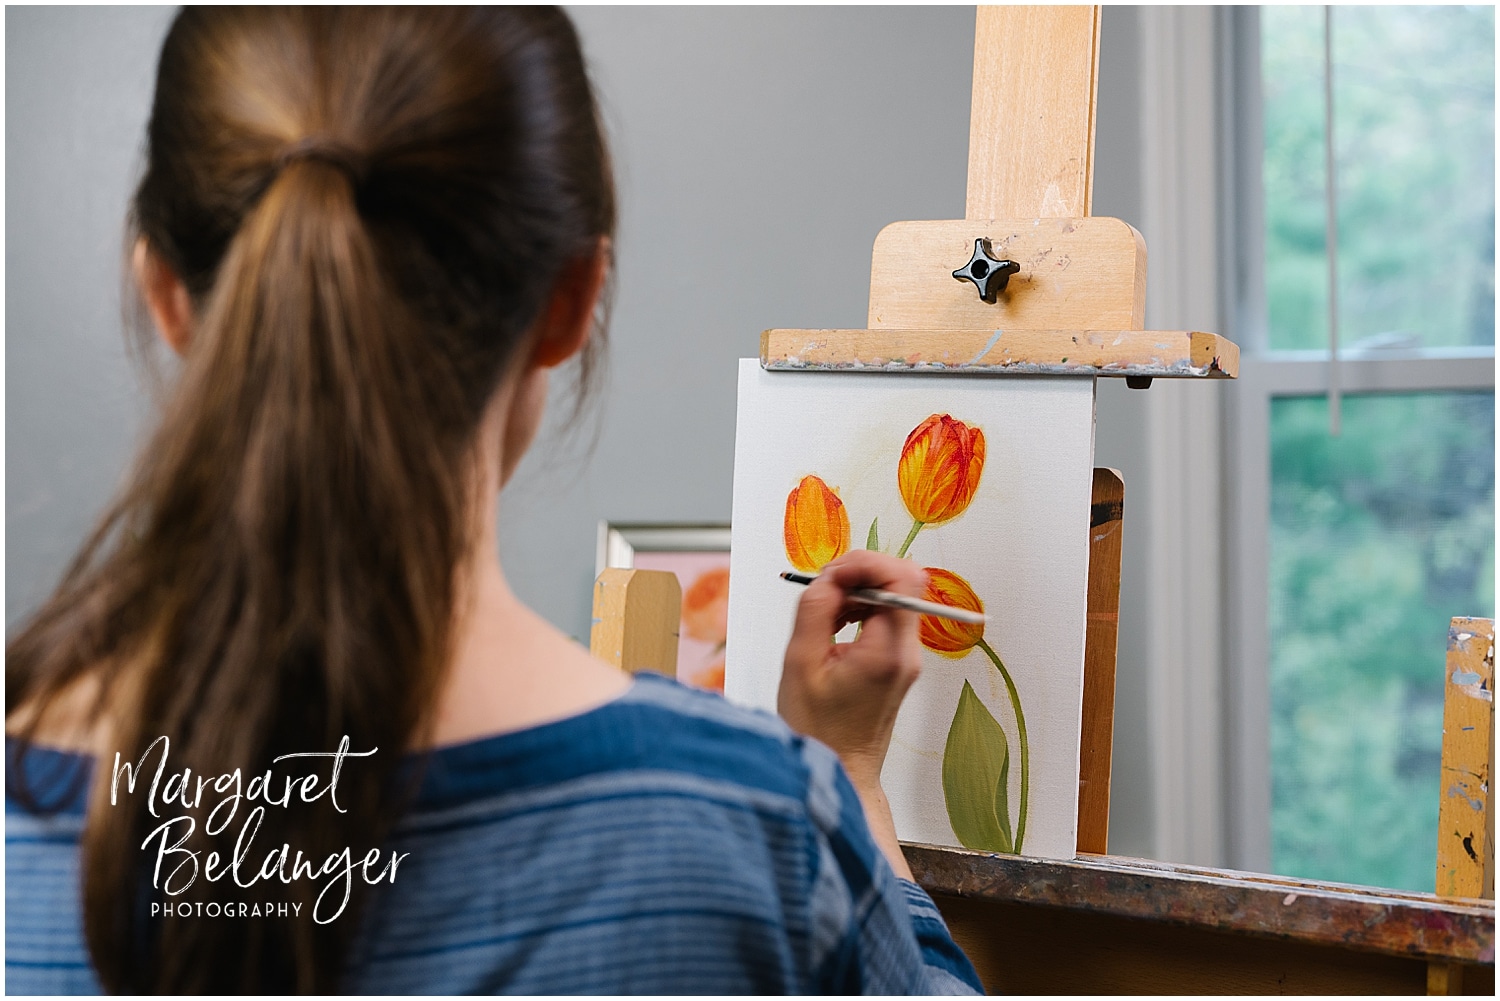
[
  {"x": 1414, "y": 109},
  {"x": 1378, "y": 537},
  {"x": 1382, "y": 534}
]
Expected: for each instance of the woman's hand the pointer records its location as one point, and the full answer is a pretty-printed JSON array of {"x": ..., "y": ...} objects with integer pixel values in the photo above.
[{"x": 847, "y": 694}]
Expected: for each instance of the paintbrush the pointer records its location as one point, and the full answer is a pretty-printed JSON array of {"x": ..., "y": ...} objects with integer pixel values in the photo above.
[{"x": 890, "y": 599}]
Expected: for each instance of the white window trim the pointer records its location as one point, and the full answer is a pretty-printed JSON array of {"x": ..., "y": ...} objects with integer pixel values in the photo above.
[{"x": 1181, "y": 497}]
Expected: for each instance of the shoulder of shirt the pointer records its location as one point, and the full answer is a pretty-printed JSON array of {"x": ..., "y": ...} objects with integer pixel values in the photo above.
[
  {"x": 672, "y": 696},
  {"x": 816, "y": 766},
  {"x": 659, "y": 735}
]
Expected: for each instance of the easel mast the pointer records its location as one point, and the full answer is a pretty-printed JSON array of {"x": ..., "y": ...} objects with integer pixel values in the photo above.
[
  {"x": 1031, "y": 119},
  {"x": 1031, "y": 153}
]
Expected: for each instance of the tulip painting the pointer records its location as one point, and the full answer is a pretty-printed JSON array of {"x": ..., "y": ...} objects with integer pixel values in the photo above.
[
  {"x": 941, "y": 463},
  {"x": 938, "y": 474},
  {"x": 705, "y": 620},
  {"x": 816, "y": 526},
  {"x": 985, "y": 483},
  {"x": 705, "y": 607},
  {"x": 976, "y": 760}
]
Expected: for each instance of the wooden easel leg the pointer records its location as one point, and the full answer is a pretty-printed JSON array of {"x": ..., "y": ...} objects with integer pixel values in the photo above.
[
  {"x": 1106, "y": 524},
  {"x": 1466, "y": 810},
  {"x": 1445, "y": 978},
  {"x": 636, "y": 614}
]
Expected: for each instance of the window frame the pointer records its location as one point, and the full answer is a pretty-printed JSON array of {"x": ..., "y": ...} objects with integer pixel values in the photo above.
[{"x": 1266, "y": 375}]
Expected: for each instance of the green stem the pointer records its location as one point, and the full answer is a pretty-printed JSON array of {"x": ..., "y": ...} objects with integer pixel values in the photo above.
[
  {"x": 916, "y": 526},
  {"x": 1015, "y": 701}
]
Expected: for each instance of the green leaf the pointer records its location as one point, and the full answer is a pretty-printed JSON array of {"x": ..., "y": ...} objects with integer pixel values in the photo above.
[
  {"x": 872, "y": 541},
  {"x": 976, "y": 767},
  {"x": 1002, "y": 798}
]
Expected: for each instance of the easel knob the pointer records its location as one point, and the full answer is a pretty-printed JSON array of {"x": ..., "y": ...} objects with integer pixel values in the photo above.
[{"x": 988, "y": 273}]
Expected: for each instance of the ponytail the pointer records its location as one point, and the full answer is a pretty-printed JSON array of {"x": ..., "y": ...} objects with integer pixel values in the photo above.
[
  {"x": 317, "y": 532},
  {"x": 279, "y": 572}
]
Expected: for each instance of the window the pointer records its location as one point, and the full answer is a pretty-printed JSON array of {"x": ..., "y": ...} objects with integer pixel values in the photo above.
[{"x": 1349, "y": 553}]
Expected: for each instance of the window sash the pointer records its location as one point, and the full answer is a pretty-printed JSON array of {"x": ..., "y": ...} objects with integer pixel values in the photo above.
[
  {"x": 1305, "y": 373},
  {"x": 1246, "y": 466}
]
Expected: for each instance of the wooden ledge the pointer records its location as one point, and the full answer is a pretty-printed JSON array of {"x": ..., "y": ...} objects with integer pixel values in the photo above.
[
  {"x": 1161, "y": 354},
  {"x": 1392, "y": 922}
]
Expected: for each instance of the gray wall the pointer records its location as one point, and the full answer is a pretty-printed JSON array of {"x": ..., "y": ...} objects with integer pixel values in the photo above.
[
  {"x": 77, "y": 91},
  {"x": 759, "y": 151}
]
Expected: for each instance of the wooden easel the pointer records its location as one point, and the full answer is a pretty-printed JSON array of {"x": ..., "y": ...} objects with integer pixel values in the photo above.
[
  {"x": 1076, "y": 308},
  {"x": 636, "y": 613},
  {"x": 1466, "y": 813}
]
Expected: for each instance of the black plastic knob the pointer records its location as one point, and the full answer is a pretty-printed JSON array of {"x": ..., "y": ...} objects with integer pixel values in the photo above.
[{"x": 988, "y": 273}]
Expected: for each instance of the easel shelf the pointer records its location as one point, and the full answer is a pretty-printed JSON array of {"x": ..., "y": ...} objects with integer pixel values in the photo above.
[
  {"x": 1161, "y": 354},
  {"x": 1133, "y": 925}
]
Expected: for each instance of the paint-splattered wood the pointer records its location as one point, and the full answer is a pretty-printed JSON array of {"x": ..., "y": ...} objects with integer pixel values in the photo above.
[
  {"x": 1106, "y": 525},
  {"x": 1076, "y": 274},
  {"x": 636, "y": 615},
  {"x": 1418, "y": 925},
  {"x": 1466, "y": 815},
  {"x": 1031, "y": 115},
  {"x": 1168, "y": 354},
  {"x": 1022, "y": 950}
]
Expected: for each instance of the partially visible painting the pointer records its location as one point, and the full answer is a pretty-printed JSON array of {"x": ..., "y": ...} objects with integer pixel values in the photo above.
[
  {"x": 699, "y": 556},
  {"x": 987, "y": 487}
]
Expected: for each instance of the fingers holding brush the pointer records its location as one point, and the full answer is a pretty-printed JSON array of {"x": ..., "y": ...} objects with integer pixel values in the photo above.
[{"x": 847, "y": 694}]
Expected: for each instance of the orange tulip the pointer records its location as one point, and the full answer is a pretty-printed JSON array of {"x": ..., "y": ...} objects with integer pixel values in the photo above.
[
  {"x": 816, "y": 527},
  {"x": 705, "y": 607},
  {"x": 947, "y": 636},
  {"x": 940, "y": 467}
]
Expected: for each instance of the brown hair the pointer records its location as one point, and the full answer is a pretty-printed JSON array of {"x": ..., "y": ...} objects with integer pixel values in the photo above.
[{"x": 369, "y": 208}]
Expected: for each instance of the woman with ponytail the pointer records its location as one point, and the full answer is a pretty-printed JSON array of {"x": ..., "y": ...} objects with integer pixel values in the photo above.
[{"x": 283, "y": 726}]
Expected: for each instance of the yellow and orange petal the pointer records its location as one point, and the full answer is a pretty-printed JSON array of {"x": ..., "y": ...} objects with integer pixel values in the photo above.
[
  {"x": 947, "y": 636},
  {"x": 816, "y": 526},
  {"x": 940, "y": 467},
  {"x": 705, "y": 607}
]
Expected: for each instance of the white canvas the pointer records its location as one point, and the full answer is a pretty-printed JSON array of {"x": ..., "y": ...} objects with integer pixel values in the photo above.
[{"x": 1021, "y": 543}]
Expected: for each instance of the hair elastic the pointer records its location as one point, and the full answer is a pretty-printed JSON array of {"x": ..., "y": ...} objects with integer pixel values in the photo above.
[{"x": 325, "y": 150}]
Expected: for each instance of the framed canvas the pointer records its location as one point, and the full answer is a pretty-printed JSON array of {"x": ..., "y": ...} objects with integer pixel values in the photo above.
[{"x": 699, "y": 556}]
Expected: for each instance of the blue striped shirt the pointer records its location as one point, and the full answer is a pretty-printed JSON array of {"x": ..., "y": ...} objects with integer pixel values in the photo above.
[{"x": 666, "y": 842}]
